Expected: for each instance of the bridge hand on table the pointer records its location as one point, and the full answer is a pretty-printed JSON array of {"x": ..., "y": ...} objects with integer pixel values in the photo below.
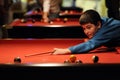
[{"x": 60, "y": 51}]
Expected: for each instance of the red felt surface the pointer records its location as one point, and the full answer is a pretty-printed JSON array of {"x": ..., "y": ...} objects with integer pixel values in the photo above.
[{"x": 9, "y": 49}]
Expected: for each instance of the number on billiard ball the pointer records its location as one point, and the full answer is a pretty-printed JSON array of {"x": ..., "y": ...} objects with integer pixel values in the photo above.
[
  {"x": 17, "y": 60},
  {"x": 95, "y": 59}
]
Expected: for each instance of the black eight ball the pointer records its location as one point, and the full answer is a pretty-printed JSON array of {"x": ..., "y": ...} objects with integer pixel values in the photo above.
[
  {"x": 17, "y": 60},
  {"x": 95, "y": 59}
]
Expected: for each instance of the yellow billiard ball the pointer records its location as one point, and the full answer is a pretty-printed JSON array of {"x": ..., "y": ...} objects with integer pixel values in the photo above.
[{"x": 73, "y": 58}]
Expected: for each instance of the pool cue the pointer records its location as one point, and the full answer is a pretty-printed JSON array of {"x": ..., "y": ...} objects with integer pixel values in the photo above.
[{"x": 35, "y": 54}]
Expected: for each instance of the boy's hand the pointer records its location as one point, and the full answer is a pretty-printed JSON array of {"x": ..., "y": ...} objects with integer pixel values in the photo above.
[{"x": 61, "y": 51}]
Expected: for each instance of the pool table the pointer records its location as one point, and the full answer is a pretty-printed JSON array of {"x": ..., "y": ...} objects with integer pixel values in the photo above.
[
  {"x": 11, "y": 48},
  {"x": 52, "y": 67},
  {"x": 38, "y": 29}
]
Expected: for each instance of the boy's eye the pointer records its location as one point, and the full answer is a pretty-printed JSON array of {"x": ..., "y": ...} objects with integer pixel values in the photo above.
[{"x": 88, "y": 27}]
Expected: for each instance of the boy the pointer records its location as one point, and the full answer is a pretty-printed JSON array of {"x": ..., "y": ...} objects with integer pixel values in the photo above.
[{"x": 100, "y": 31}]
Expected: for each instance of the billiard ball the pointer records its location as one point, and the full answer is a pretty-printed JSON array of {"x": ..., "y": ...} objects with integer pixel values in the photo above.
[
  {"x": 17, "y": 60},
  {"x": 71, "y": 12},
  {"x": 95, "y": 59},
  {"x": 65, "y": 20},
  {"x": 23, "y": 20},
  {"x": 33, "y": 20},
  {"x": 72, "y": 58},
  {"x": 78, "y": 61},
  {"x": 66, "y": 61},
  {"x": 36, "y": 11},
  {"x": 50, "y": 22},
  {"x": 66, "y": 11},
  {"x": 58, "y": 19}
]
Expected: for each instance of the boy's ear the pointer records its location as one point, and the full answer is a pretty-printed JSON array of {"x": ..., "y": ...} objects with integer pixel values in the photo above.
[{"x": 99, "y": 24}]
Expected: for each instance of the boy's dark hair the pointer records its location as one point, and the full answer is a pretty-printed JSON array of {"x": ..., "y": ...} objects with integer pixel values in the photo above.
[{"x": 90, "y": 16}]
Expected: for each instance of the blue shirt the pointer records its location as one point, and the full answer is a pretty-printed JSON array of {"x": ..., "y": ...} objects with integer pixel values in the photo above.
[{"x": 108, "y": 35}]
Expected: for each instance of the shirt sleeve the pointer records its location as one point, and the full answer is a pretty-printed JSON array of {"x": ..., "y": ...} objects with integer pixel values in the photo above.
[
  {"x": 46, "y": 5},
  {"x": 92, "y": 44},
  {"x": 84, "y": 47}
]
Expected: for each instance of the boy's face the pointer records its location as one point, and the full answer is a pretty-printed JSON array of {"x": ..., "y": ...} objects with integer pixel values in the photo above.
[{"x": 90, "y": 29}]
